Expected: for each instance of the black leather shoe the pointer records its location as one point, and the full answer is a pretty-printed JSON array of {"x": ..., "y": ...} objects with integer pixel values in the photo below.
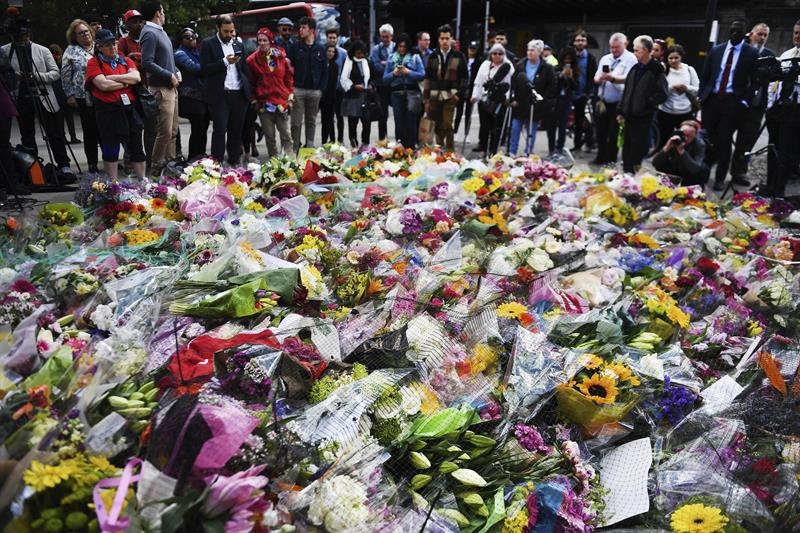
[{"x": 719, "y": 185}]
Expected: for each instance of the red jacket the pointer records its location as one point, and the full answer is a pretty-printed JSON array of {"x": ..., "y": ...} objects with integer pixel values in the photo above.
[{"x": 274, "y": 82}]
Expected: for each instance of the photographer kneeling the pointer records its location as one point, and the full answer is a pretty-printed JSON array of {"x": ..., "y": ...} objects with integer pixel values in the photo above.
[{"x": 684, "y": 155}]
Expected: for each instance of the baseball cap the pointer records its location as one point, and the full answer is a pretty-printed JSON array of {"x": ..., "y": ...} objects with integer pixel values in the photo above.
[
  {"x": 130, "y": 14},
  {"x": 104, "y": 36},
  {"x": 473, "y": 44},
  {"x": 285, "y": 21}
]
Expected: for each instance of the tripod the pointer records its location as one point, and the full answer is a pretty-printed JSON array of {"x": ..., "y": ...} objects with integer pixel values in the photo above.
[{"x": 42, "y": 105}]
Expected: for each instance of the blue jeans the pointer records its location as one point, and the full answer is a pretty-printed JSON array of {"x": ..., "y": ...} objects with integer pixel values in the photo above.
[
  {"x": 516, "y": 129},
  {"x": 406, "y": 125}
]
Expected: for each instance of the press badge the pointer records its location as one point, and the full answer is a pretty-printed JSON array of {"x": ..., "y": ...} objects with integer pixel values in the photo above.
[{"x": 125, "y": 99}]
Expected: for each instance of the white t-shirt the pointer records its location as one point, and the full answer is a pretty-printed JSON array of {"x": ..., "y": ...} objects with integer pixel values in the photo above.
[
  {"x": 776, "y": 87},
  {"x": 619, "y": 68},
  {"x": 486, "y": 72},
  {"x": 678, "y": 103}
]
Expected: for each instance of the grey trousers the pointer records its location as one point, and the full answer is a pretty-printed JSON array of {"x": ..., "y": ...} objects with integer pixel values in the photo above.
[
  {"x": 304, "y": 111},
  {"x": 269, "y": 123}
]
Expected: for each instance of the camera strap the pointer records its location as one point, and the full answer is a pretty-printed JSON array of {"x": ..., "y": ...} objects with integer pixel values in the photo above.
[{"x": 502, "y": 72}]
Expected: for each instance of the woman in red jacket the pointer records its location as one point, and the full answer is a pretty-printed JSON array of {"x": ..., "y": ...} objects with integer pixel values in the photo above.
[{"x": 272, "y": 79}]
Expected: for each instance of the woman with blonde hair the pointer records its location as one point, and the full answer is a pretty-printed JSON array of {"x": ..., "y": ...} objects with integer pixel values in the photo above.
[{"x": 80, "y": 37}]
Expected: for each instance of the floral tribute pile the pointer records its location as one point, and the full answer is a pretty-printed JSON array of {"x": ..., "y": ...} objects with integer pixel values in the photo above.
[{"x": 398, "y": 341}]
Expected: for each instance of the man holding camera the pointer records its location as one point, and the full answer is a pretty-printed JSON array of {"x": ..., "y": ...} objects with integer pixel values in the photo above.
[
  {"x": 684, "y": 155},
  {"x": 227, "y": 87},
  {"x": 784, "y": 118},
  {"x": 36, "y": 72}
]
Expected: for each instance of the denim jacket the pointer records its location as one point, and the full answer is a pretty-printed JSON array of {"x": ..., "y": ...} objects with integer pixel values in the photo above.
[{"x": 410, "y": 61}]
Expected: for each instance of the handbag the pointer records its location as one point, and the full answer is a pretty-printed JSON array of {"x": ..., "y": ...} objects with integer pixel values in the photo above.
[
  {"x": 426, "y": 127},
  {"x": 371, "y": 109},
  {"x": 694, "y": 100},
  {"x": 145, "y": 102},
  {"x": 413, "y": 102}
]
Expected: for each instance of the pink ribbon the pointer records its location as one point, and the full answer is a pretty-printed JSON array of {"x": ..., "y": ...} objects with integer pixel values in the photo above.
[{"x": 110, "y": 521}]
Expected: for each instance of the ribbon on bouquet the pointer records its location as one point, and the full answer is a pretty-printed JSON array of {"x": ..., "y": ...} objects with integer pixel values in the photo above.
[{"x": 110, "y": 519}]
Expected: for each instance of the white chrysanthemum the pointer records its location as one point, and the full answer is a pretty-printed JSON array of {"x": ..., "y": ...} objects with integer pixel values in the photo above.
[{"x": 340, "y": 504}]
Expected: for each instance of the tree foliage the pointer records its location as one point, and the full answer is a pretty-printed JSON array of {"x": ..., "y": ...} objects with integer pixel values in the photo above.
[{"x": 49, "y": 18}]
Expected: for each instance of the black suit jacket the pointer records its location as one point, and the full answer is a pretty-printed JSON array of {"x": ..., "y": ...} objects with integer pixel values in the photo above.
[
  {"x": 214, "y": 70},
  {"x": 743, "y": 86}
]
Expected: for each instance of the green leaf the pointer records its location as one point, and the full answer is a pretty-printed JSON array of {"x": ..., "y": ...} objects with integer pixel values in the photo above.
[
  {"x": 497, "y": 511},
  {"x": 214, "y": 526}
]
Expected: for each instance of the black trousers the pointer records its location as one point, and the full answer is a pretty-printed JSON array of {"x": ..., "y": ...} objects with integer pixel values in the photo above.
[
  {"x": 327, "y": 108},
  {"x": 746, "y": 137},
  {"x": 607, "y": 133},
  {"x": 53, "y": 126},
  {"x": 721, "y": 117},
  {"x": 198, "y": 140},
  {"x": 788, "y": 148},
  {"x": 339, "y": 117},
  {"x": 89, "y": 126},
  {"x": 228, "y": 117},
  {"x": 635, "y": 142},
  {"x": 8, "y": 174},
  {"x": 582, "y": 133},
  {"x": 384, "y": 93},
  {"x": 486, "y": 120},
  {"x": 352, "y": 126}
]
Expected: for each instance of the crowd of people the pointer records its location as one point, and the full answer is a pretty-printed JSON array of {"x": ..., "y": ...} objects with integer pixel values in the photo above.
[{"x": 129, "y": 92}]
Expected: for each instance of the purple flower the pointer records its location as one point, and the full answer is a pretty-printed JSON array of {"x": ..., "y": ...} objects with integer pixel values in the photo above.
[
  {"x": 229, "y": 492},
  {"x": 530, "y": 439},
  {"x": 440, "y": 191},
  {"x": 412, "y": 222}
]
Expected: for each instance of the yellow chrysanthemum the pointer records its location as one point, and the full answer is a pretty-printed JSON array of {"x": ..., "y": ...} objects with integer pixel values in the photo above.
[
  {"x": 516, "y": 523},
  {"x": 511, "y": 310},
  {"x": 138, "y": 237},
  {"x": 650, "y": 186},
  {"x": 473, "y": 184},
  {"x": 40, "y": 476},
  {"x": 599, "y": 388},
  {"x": 698, "y": 518},
  {"x": 677, "y": 316},
  {"x": 99, "y": 462},
  {"x": 484, "y": 357},
  {"x": 237, "y": 190}
]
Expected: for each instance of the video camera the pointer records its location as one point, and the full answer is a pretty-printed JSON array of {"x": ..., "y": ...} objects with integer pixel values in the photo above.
[
  {"x": 775, "y": 69},
  {"x": 495, "y": 91}
]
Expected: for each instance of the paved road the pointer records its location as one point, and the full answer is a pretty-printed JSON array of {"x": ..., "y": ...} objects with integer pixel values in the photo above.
[{"x": 540, "y": 148}]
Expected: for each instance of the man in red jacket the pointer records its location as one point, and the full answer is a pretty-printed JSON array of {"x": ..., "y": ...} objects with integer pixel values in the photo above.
[{"x": 272, "y": 80}]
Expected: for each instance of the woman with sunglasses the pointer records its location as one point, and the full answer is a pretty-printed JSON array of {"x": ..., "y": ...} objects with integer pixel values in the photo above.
[
  {"x": 73, "y": 75},
  {"x": 109, "y": 77}
]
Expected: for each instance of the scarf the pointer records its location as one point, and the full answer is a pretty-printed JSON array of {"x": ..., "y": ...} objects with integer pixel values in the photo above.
[{"x": 113, "y": 61}]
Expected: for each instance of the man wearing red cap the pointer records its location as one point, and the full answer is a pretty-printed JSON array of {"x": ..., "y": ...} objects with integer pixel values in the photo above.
[{"x": 128, "y": 46}]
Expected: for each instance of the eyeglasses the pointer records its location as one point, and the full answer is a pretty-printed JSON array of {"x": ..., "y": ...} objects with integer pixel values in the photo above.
[
  {"x": 497, "y": 53},
  {"x": 84, "y": 32}
]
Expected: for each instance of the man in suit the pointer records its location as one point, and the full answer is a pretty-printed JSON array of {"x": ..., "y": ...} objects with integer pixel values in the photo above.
[
  {"x": 227, "y": 86},
  {"x": 163, "y": 78},
  {"x": 750, "y": 125},
  {"x": 726, "y": 90}
]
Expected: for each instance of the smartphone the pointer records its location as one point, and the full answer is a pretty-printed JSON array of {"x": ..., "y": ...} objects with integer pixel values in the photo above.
[{"x": 606, "y": 69}]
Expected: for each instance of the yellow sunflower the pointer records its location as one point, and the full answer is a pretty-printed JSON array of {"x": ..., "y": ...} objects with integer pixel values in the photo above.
[
  {"x": 624, "y": 373},
  {"x": 590, "y": 361},
  {"x": 511, "y": 310},
  {"x": 698, "y": 518},
  {"x": 599, "y": 388},
  {"x": 40, "y": 476}
]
